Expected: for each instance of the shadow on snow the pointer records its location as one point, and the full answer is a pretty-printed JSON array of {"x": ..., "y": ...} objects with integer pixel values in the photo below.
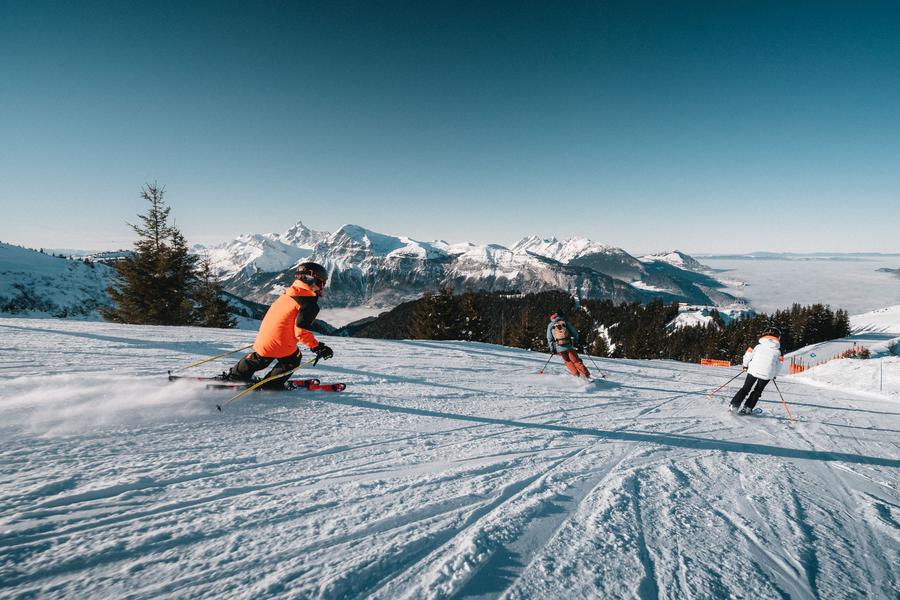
[{"x": 662, "y": 439}]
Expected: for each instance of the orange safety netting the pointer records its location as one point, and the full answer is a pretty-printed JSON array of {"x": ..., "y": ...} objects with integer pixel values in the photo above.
[
  {"x": 711, "y": 362},
  {"x": 798, "y": 365}
]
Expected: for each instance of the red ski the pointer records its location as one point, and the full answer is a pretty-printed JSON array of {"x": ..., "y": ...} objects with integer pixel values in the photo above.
[
  {"x": 314, "y": 385},
  {"x": 301, "y": 383}
]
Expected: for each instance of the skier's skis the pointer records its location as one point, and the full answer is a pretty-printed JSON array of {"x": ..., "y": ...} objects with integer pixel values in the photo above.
[
  {"x": 328, "y": 387},
  {"x": 215, "y": 382},
  {"x": 314, "y": 385},
  {"x": 737, "y": 413},
  {"x": 302, "y": 383}
]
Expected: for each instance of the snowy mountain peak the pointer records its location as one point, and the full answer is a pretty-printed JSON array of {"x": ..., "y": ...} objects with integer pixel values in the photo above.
[
  {"x": 251, "y": 253},
  {"x": 563, "y": 251},
  {"x": 356, "y": 239},
  {"x": 532, "y": 241},
  {"x": 302, "y": 236},
  {"x": 354, "y": 236},
  {"x": 679, "y": 259}
]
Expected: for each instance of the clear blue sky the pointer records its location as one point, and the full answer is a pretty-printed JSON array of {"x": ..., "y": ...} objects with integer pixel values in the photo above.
[{"x": 706, "y": 126}]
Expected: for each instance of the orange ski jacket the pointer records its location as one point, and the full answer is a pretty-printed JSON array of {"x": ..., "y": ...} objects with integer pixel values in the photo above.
[{"x": 287, "y": 321}]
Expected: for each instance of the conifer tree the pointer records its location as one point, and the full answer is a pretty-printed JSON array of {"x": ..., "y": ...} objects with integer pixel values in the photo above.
[
  {"x": 471, "y": 321},
  {"x": 422, "y": 326},
  {"x": 212, "y": 309},
  {"x": 448, "y": 317},
  {"x": 156, "y": 282}
]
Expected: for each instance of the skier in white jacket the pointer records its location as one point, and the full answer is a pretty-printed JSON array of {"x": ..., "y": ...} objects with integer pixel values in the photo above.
[{"x": 762, "y": 364}]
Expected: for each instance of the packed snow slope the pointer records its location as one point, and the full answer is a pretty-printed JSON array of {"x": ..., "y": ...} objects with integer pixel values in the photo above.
[
  {"x": 883, "y": 320},
  {"x": 445, "y": 470},
  {"x": 878, "y": 331}
]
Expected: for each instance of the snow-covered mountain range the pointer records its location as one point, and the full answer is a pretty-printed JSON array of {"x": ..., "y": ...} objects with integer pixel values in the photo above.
[
  {"x": 370, "y": 269},
  {"x": 373, "y": 269}
]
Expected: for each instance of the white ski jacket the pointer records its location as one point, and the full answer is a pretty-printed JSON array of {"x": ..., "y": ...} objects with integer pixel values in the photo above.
[{"x": 765, "y": 360}]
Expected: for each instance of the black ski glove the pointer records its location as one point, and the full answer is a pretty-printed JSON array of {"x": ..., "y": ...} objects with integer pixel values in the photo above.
[
  {"x": 322, "y": 352},
  {"x": 552, "y": 348}
]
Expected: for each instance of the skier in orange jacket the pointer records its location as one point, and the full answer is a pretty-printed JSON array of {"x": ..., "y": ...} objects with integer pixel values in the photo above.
[{"x": 286, "y": 323}]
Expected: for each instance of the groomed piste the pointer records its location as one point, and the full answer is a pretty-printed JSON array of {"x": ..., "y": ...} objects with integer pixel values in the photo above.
[{"x": 445, "y": 469}]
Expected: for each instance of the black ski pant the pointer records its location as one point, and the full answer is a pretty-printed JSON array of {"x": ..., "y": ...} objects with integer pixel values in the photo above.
[
  {"x": 253, "y": 362},
  {"x": 758, "y": 386}
]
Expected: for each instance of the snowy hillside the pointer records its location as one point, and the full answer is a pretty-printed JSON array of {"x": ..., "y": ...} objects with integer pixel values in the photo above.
[
  {"x": 701, "y": 316},
  {"x": 445, "y": 470},
  {"x": 878, "y": 331},
  {"x": 678, "y": 259},
  {"x": 877, "y": 378},
  {"x": 884, "y": 320},
  {"x": 37, "y": 284}
]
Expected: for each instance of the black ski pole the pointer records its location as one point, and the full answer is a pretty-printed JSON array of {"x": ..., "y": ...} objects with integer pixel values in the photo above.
[
  {"x": 541, "y": 372},
  {"x": 602, "y": 376}
]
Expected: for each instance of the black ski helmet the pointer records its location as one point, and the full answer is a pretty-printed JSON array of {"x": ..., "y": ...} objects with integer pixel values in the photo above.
[
  {"x": 773, "y": 331},
  {"x": 310, "y": 272}
]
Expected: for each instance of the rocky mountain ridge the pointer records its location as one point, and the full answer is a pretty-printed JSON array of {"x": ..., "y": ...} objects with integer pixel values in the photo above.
[{"x": 367, "y": 268}]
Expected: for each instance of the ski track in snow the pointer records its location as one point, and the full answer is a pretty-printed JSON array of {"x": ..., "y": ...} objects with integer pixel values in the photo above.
[{"x": 446, "y": 470}]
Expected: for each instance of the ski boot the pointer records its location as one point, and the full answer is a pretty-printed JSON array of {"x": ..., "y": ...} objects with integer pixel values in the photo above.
[
  {"x": 229, "y": 376},
  {"x": 745, "y": 411}
]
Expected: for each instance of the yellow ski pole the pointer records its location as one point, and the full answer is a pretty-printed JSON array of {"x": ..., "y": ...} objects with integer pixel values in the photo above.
[
  {"x": 206, "y": 360},
  {"x": 266, "y": 380}
]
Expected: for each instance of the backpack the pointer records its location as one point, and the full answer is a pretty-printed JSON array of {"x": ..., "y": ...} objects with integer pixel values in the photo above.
[{"x": 561, "y": 335}]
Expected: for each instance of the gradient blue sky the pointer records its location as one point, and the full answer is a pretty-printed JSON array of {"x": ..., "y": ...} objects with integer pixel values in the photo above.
[{"x": 707, "y": 126}]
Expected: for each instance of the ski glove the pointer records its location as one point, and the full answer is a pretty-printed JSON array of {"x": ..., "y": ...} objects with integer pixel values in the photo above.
[{"x": 322, "y": 351}]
